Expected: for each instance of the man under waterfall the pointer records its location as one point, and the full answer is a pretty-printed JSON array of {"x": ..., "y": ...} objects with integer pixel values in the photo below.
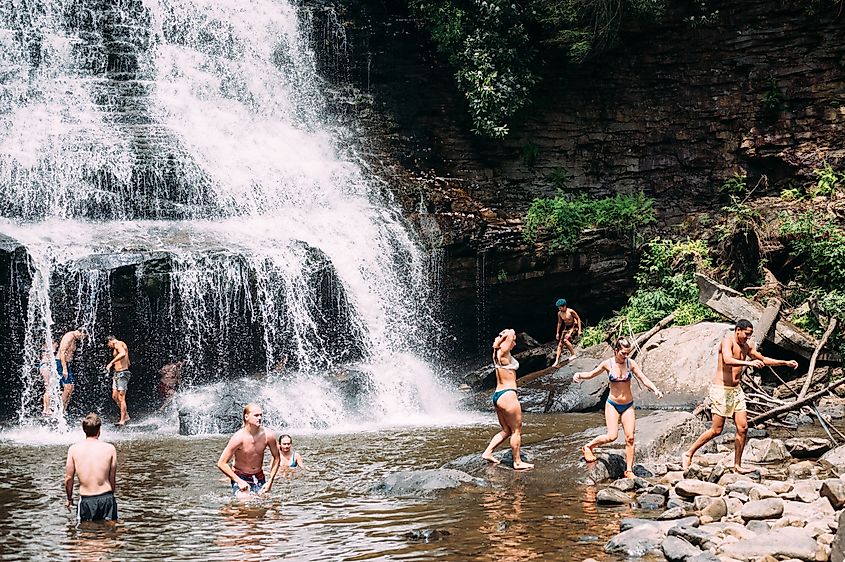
[
  {"x": 247, "y": 445},
  {"x": 120, "y": 380},
  {"x": 726, "y": 396},
  {"x": 67, "y": 349}
]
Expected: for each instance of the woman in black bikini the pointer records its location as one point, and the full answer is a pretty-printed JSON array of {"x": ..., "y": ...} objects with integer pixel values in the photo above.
[
  {"x": 505, "y": 401},
  {"x": 620, "y": 402}
]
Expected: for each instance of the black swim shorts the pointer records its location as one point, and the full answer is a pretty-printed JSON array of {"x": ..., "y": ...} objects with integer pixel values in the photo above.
[{"x": 97, "y": 508}]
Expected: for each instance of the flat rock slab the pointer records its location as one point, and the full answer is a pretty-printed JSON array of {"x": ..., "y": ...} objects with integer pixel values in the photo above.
[
  {"x": 807, "y": 447},
  {"x": 612, "y": 496},
  {"x": 676, "y": 549},
  {"x": 690, "y": 488},
  {"x": 636, "y": 542},
  {"x": 631, "y": 522},
  {"x": 423, "y": 483},
  {"x": 788, "y": 542},
  {"x": 769, "y": 508}
]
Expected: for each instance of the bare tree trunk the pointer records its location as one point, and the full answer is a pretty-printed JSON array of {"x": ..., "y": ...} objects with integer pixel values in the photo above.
[
  {"x": 797, "y": 404},
  {"x": 830, "y": 327}
]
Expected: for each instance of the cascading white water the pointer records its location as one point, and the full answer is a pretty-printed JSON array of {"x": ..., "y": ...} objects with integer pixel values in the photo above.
[{"x": 197, "y": 130}]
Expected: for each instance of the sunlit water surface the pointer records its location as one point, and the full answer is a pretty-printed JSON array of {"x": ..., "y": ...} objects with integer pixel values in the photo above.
[{"x": 175, "y": 505}]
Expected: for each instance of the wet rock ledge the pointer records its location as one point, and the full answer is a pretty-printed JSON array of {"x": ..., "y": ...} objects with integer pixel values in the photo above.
[{"x": 785, "y": 509}]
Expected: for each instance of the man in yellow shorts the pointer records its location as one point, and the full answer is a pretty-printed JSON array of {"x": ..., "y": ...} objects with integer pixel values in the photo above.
[{"x": 726, "y": 396}]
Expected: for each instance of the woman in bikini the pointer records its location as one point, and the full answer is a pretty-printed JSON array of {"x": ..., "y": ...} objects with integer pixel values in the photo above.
[
  {"x": 290, "y": 459},
  {"x": 620, "y": 402},
  {"x": 505, "y": 401}
]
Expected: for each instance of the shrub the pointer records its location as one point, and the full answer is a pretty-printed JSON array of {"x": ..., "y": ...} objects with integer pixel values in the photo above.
[
  {"x": 821, "y": 243},
  {"x": 829, "y": 181},
  {"x": 737, "y": 185},
  {"x": 565, "y": 218}
]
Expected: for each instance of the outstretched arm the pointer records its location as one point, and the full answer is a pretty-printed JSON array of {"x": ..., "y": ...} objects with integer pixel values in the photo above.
[
  {"x": 729, "y": 359},
  {"x": 583, "y": 375},
  {"x": 644, "y": 379},
  {"x": 752, "y": 352}
]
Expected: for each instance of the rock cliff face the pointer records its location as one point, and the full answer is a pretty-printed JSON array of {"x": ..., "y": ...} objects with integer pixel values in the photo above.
[{"x": 672, "y": 113}]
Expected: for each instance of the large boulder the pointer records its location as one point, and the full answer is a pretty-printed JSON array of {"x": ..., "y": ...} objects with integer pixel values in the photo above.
[
  {"x": 665, "y": 434},
  {"x": 556, "y": 393},
  {"x": 765, "y": 451},
  {"x": 423, "y": 483},
  {"x": 834, "y": 459},
  {"x": 680, "y": 361}
]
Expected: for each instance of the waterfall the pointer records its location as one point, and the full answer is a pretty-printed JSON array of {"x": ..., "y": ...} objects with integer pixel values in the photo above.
[{"x": 175, "y": 176}]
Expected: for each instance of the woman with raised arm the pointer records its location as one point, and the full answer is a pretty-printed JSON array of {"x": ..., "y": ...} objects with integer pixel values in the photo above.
[
  {"x": 505, "y": 401},
  {"x": 620, "y": 402}
]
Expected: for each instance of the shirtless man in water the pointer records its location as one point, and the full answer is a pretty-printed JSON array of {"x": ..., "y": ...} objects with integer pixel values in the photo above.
[
  {"x": 64, "y": 361},
  {"x": 726, "y": 396},
  {"x": 247, "y": 446},
  {"x": 95, "y": 464},
  {"x": 120, "y": 380},
  {"x": 570, "y": 321}
]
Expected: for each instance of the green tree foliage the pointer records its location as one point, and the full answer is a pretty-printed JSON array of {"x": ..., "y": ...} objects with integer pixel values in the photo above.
[
  {"x": 493, "y": 45},
  {"x": 665, "y": 284},
  {"x": 821, "y": 243},
  {"x": 565, "y": 218}
]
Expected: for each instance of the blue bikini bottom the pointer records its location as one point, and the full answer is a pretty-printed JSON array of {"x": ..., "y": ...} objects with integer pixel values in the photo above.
[{"x": 620, "y": 408}]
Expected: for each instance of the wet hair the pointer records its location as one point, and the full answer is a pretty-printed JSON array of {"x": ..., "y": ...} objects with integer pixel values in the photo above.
[
  {"x": 501, "y": 337},
  {"x": 744, "y": 324},
  {"x": 91, "y": 425},
  {"x": 247, "y": 409},
  {"x": 621, "y": 343},
  {"x": 82, "y": 330},
  {"x": 560, "y": 302},
  {"x": 110, "y": 337},
  {"x": 283, "y": 436}
]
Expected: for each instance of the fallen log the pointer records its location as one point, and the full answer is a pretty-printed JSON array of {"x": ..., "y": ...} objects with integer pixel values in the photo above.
[
  {"x": 734, "y": 305},
  {"x": 792, "y": 388},
  {"x": 645, "y": 336},
  {"x": 830, "y": 327},
  {"x": 773, "y": 413}
]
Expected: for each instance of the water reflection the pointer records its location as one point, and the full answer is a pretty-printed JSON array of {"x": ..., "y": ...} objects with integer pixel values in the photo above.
[{"x": 173, "y": 503}]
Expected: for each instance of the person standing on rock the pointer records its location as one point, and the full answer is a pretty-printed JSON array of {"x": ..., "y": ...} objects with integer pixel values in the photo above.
[
  {"x": 726, "y": 396},
  {"x": 505, "y": 401},
  {"x": 247, "y": 445},
  {"x": 569, "y": 320},
  {"x": 120, "y": 379},
  {"x": 94, "y": 463},
  {"x": 67, "y": 349},
  {"x": 620, "y": 370}
]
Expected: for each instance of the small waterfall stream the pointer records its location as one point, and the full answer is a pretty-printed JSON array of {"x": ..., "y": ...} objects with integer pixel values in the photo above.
[{"x": 175, "y": 177}]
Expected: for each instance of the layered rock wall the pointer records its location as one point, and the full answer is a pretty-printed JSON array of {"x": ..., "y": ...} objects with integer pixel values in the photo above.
[{"x": 673, "y": 112}]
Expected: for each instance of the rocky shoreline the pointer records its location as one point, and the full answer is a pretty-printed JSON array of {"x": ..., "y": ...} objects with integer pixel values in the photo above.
[{"x": 787, "y": 508}]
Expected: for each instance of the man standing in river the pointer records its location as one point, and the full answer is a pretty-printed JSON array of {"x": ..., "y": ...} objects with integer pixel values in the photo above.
[
  {"x": 726, "y": 396},
  {"x": 94, "y": 463},
  {"x": 120, "y": 380},
  {"x": 64, "y": 362},
  {"x": 247, "y": 445}
]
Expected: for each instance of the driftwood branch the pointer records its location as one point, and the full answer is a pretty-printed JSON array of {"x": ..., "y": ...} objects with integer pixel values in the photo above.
[
  {"x": 797, "y": 404},
  {"x": 657, "y": 327},
  {"x": 830, "y": 327},
  {"x": 733, "y": 305}
]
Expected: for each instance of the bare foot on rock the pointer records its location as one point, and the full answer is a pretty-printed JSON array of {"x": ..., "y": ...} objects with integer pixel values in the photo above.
[
  {"x": 491, "y": 459},
  {"x": 686, "y": 460},
  {"x": 523, "y": 466}
]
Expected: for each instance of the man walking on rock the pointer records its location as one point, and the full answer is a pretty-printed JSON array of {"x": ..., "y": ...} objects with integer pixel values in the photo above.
[
  {"x": 726, "y": 396},
  {"x": 569, "y": 320}
]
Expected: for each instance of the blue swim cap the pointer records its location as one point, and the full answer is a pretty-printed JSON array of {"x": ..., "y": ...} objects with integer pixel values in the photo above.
[{"x": 560, "y": 302}]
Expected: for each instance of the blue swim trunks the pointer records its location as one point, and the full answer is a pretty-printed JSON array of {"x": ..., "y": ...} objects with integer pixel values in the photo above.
[
  {"x": 63, "y": 380},
  {"x": 256, "y": 481}
]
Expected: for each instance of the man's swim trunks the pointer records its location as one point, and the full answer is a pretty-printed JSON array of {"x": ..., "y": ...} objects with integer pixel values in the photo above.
[
  {"x": 725, "y": 400},
  {"x": 63, "y": 380},
  {"x": 256, "y": 481},
  {"x": 102, "y": 507},
  {"x": 121, "y": 380}
]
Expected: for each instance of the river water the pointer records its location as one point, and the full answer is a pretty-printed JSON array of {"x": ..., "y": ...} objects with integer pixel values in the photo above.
[{"x": 175, "y": 504}]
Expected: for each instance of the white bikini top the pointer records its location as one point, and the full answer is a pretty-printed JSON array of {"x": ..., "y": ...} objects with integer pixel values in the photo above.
[{"x": 512, "y": 366}]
